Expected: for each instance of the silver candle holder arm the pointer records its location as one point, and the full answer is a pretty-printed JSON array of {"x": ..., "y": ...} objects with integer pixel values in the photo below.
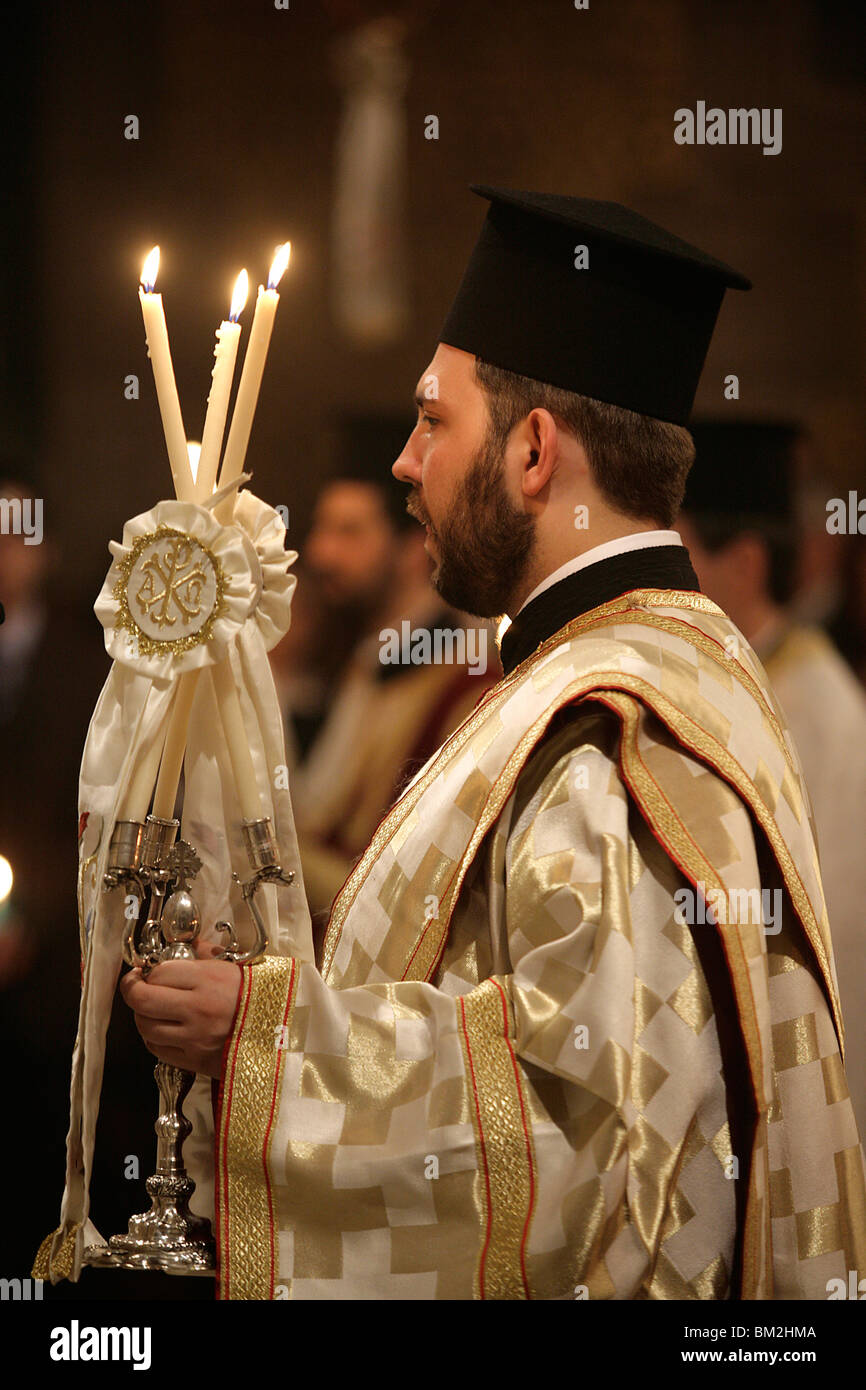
[
  {"x": 263, "y": 854},
  {"x": 148, "y": 857}
]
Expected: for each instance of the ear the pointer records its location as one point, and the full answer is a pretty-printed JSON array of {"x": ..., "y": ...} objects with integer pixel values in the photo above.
[{"x": 537, "y": 440}]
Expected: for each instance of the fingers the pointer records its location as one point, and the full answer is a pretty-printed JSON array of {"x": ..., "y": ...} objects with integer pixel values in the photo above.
[
  {"x": 169, "y": 974},
  {"x": 176, "y": 974},
  {"x": 184, "y": 1010},
  {"x": 162, "y": 1033},
  {"x": 152, "y": 1001}
]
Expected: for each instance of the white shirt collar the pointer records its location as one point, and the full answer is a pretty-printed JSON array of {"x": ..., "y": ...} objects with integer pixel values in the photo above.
[{"x": 641, "y": 540}]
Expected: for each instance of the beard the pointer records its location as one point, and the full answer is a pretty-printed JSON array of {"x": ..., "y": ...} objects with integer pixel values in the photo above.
[{"x": 485, "y": 544}]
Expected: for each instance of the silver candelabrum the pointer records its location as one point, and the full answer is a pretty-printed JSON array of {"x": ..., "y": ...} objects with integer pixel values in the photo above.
[{"x": 146, "y": 857}]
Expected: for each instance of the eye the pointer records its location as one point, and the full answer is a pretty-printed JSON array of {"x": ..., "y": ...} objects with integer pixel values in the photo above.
[{"x": 429, "y": 420}]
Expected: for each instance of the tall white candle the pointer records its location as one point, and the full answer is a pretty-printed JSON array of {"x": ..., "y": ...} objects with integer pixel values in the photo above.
[
  {"x": 251, "y": 378},
  {"x": 140, "y": 789},
  {"x": 175, "y": 746},
  {"x": 159, "y": 352},
  {"x": 237, "y": 743},
  {"x": 225, "y": 354}
]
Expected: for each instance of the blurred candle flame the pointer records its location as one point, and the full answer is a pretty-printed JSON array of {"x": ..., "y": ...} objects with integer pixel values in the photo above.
[
  {"x": 239, "y": 296},
  {"x": 6, "y": 878},
  {"x": 278, "y": 264},
  {"x": 150, "y": 270}
]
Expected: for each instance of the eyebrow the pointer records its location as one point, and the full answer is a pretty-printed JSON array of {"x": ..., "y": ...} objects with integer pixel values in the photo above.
[{"x": 423, "y": 401}]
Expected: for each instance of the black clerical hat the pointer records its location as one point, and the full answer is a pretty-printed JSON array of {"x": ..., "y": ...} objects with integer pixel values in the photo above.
[
  {"x": 591, "y": 297},
  {"x": 744, "y": 470}
]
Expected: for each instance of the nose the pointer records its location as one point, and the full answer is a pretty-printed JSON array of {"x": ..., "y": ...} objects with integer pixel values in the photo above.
[{"x": 407, "y": 468}]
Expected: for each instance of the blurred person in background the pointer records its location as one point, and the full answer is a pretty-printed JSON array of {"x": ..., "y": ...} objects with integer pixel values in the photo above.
[
  {"x": 818, "y": 580},
  {"x": 390, "y": 707},
  {"x": 847, "y": 627},
  {"x": 307, "y": 664},
  {"x": 739, "y": 523}
]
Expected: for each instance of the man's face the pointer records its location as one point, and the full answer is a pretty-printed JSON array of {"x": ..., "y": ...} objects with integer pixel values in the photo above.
[
  {"x": 723, "y": 575},
  {"x": 352, "y": 547},
  {"x": 479, "y": 539}
]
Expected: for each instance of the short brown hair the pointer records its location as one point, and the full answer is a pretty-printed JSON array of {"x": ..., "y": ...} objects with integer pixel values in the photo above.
[{"x": 640, "y": 465}]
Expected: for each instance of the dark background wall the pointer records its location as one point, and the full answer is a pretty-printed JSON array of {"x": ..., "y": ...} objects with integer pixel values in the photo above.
[{"x": 239, "y": 111}]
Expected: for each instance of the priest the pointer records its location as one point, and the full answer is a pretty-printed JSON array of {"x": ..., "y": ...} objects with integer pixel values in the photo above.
[{"x": 577, "y": 1032}]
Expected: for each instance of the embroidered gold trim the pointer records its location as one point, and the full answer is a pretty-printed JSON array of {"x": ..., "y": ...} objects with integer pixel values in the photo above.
[
  {"x": 250, "y": 1103},
  {"x": 59, "y": 1266},
  {"x": 503, "y": 1143}
]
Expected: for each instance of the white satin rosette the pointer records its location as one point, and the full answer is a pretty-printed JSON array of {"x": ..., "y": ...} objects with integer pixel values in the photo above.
[
  {"x": 179, "y": 589},
  {"x": 182, "y": 593}
]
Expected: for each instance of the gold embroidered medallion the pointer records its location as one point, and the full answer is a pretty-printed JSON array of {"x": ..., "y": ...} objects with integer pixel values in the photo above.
[{"x": 170, "y": 592}]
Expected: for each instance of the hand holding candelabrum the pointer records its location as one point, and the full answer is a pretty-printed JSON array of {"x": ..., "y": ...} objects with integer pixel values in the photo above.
[{"x": 184, "y": 1009}]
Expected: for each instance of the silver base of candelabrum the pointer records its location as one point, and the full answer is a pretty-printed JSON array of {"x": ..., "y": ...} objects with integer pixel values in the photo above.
[
  {"x": 168, "y": 1237},
  {"x": 142, "y": 857}
]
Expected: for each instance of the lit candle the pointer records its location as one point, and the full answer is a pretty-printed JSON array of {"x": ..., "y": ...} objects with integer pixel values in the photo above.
[
  {"x": 225, "y": 354},
  {"x": 163, "y": 375},
  {"x": 251, "y": 378}
]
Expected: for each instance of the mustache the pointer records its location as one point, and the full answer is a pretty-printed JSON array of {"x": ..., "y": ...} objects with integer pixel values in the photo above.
[{"x": 416, "y": 510}]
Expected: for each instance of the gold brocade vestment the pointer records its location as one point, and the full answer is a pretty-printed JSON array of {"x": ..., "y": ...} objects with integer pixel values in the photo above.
[{"x": 527, "y": 1071}]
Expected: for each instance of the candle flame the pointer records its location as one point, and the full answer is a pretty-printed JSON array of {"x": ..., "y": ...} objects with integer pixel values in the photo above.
[
  {"x": 149, "y": 270},
  {"x": 6, "y": 878},
  {"x": 239, "y": 296},
  {"x": 278, "y": 264},
  {"x": 193, "y": 449}
]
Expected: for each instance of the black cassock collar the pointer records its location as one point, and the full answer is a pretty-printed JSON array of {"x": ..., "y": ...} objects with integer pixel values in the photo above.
[{"x": 652, "y": 567}]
